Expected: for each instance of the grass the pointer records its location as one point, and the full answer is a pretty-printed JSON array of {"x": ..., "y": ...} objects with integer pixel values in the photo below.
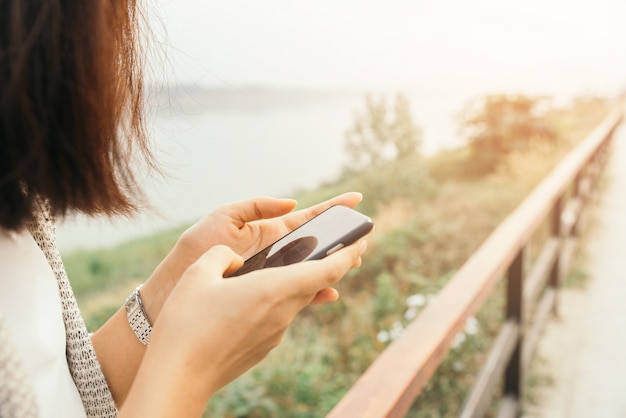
[
  {"x": 103, "y": 278},
  {"x": 429, "y": 220}
]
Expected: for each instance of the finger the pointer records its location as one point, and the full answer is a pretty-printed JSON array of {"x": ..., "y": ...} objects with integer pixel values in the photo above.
[
  {"x": 350, "y": 199},
  {"x": 217, "y": 262},
  {"x": 310, "y": 277},
  {"x": 255, "y": 209},
  {"x": 325, "y": 295}
]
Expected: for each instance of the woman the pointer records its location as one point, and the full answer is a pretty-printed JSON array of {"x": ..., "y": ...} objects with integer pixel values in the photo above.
[{"x": 71, "y": 127}]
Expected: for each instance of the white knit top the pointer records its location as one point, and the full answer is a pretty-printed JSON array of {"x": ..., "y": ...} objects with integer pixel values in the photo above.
[{"x": 47, "y": 363}]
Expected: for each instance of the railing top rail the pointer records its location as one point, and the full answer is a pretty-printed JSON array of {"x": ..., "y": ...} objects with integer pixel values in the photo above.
[{"x": 389, "y": 386}]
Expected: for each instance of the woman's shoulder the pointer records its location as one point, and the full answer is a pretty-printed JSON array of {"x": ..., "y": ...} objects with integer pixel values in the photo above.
[{"x": 16, "y": 247}]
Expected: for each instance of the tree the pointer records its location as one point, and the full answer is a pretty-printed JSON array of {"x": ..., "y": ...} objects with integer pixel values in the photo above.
[
  {"x": 383, "y": 149},
  {"x": 379, "y": 135},
  {"x": 499, "y": 124}
]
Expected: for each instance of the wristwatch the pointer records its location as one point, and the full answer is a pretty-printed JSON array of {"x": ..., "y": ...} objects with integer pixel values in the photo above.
[{"x": 137, "y": 318}]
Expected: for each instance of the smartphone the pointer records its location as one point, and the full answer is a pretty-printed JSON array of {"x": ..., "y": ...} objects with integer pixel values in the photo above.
[{"x": 331, "y": 230}]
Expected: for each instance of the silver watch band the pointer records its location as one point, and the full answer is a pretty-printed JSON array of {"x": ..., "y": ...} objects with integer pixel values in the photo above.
[{"x": 137, "y": 318}]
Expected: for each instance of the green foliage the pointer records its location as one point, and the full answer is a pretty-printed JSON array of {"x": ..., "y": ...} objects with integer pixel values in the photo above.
[
  {"x": 384, "y": 159},
  {"x": 387, "y": 297},
  {"x": 242, "y": 398},
  {"x": 99, "y": 316},
  {"x": 446, "y": 391},
  {"x": 405, "y": 179},
  {"x": 449, "y": 164},
  {"x": 379, "y": 135},
  {"x": 94, "y": 271},
  {"x": 382, "y": 184},
  {"x": 498, "y": 125}
]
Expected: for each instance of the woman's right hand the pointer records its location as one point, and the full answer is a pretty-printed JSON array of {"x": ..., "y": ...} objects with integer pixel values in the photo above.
[{"x": 212, "y": 329}]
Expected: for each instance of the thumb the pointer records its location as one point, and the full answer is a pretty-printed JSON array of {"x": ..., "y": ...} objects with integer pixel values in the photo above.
[
  {"x": 216, "y": 262},
  {"x": 310, "y": 277}
]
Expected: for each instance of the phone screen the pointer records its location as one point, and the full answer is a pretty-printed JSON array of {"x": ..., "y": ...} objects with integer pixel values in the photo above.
[{"x": 331, "y": 230}]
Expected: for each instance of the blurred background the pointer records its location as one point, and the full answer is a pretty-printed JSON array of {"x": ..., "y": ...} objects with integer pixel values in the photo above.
[
  {"x": 444, "y": 114},
  {"x": 252, "y": 98},
  {"x": 255, "y": 98}
]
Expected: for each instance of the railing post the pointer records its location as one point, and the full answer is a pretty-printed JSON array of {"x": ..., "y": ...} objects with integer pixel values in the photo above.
[
  {"x": 514, "y": 374},
  {"x": 555, "y": 273},
  {"x": 600, "y": 161},
  {"x": 578, "y": 193}
]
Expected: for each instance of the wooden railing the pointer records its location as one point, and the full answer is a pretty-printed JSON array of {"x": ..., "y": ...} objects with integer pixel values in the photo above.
[{"x": 394, "y": 380}]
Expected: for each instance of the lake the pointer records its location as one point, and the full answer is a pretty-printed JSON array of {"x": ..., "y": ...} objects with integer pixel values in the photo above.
[{"x": 218, "y": 146}]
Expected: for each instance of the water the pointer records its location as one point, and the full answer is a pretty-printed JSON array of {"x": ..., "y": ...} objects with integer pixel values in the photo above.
[{"x": 222, "y": 146}]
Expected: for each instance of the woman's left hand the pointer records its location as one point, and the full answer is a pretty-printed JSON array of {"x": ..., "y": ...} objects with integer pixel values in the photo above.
[
  {"x": 251, "y": 225},
  {"x": 246, "y": 227}
]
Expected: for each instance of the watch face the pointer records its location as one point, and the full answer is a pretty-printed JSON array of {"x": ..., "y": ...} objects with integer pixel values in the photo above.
[{"x": 131, "y": 303}]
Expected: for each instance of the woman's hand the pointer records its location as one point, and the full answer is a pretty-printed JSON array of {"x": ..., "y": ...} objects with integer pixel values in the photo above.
[
  {"x": 251, "y": 225},
  {"x": 247, "y": 227},
  {"x": 212, "y": 329}
]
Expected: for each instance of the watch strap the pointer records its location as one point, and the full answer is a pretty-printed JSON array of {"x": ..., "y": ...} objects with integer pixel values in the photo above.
[{"x": 137, "y": 318}]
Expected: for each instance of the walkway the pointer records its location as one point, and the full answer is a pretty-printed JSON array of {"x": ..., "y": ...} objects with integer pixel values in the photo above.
[{"x": 583, "y": 350}]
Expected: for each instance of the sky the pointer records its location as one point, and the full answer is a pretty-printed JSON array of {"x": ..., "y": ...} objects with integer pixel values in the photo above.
[{"x": 539, "y": 46}]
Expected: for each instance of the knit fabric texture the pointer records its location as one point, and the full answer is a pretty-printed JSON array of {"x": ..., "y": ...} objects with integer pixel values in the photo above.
[{"x": 16, "y": 398}]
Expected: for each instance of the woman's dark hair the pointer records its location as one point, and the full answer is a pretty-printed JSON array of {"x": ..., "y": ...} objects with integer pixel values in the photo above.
[{"x": 71, "y": 107}]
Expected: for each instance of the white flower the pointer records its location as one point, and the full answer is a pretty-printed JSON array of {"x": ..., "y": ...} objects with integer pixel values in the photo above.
[
  {"x": 410, "y": 314},
  {"x": 382, "y": 336},
  {"x": 416, "y": 301},
  {"x": 471, "y": 325},
  {"x": 396, "y": 330},
  {"x": 458, "y": 340}
]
